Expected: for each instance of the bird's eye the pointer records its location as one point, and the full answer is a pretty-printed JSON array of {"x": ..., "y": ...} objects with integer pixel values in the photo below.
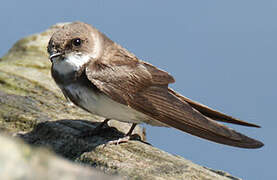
[{"x": 77, "y": 42}]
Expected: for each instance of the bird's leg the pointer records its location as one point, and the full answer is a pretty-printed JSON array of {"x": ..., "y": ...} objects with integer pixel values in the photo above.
[
  {"x": 129, "y": 133},
  {"x": 126, "y": 138},
  {"x": 69, "y": 103},
  {"x": 96, "y": 130}
]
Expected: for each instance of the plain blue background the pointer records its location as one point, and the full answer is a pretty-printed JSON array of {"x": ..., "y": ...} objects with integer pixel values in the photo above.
[{"x": 221, "y": 53}]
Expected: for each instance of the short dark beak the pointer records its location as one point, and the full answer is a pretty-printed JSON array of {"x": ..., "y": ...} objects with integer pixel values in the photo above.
[{"x": 53, "y": 56}]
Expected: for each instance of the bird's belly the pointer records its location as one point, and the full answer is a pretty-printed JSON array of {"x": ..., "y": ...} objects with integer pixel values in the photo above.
[{"x": 100, "y": 104}]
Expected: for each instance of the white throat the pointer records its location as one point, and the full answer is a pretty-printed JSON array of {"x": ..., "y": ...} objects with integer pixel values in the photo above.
[{"x": 71, "y": 63}]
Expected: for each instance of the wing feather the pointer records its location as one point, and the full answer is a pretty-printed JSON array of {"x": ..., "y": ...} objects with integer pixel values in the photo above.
[{"x": 211, "y": 113}]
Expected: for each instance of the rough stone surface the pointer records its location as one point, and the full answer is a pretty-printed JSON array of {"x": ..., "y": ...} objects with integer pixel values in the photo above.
[
  {"x": 20, "y": 161},
  {"x": 33, "y": 109}
]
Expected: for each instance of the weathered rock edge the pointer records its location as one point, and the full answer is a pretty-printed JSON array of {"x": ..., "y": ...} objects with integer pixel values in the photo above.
[{"x": 33, "y": 108}]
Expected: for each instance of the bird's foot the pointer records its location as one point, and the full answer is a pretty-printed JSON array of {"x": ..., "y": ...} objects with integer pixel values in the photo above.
[
  {"x": 119, "y": 141},
  {"x": 124, "y": 139}
]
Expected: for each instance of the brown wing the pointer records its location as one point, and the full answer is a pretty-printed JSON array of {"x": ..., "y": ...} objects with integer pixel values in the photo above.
[
  {"x": 211, "y": 113},
  {"x": 170, "y": 110},
  {"x": 145, "y": 88},
  {"x": 121, "y": 75}
]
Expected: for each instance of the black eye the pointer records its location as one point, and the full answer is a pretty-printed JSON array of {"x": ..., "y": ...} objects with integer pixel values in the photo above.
[{"x": 77, "y": 42}]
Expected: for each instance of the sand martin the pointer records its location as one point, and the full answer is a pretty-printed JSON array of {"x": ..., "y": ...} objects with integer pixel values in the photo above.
[{"x": 105, "y": 79}]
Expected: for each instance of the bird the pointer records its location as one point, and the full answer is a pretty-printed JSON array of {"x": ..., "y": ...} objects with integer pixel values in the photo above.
[{"x": 103, "y": 78}]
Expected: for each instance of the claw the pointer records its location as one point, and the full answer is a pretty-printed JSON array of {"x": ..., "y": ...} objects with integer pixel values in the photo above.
[{"x": 118, "y": 141}]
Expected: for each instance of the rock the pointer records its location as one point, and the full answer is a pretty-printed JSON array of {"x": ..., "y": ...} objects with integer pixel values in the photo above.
[
  {"x": 33, "y": 108},
  {"x": 20, "y": 161}
]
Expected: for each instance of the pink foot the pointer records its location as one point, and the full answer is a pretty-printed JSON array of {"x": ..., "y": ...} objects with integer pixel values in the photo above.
[{"x": 119, "y": 141}]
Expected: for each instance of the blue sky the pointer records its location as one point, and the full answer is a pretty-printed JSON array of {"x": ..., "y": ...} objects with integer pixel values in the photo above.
[{"x": 221, "y": 53}]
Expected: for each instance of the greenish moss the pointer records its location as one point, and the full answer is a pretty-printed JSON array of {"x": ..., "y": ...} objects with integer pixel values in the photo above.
[
  {"x": 10, "y": 84},
  {"x": 40, "y": 66},
  {"x": 14, "y": 122}
]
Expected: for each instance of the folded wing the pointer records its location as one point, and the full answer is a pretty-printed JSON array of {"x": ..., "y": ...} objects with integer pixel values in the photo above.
[
  {"x": 170, "y": 110},
  {"x": 144, "y": 88}
]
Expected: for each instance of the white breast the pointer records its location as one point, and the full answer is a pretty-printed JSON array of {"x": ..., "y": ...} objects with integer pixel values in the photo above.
[{"x": 100, "y": 104}]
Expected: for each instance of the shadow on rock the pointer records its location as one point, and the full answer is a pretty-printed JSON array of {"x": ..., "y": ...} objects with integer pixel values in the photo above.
[{"x": 64, "y": 136}]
